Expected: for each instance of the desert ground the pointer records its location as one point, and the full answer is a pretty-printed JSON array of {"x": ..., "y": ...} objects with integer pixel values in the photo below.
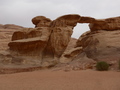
[{"x": 61, "y": 80}]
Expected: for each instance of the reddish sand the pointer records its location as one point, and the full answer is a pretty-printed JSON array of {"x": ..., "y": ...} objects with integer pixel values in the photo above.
[{"x": 60, "y": 80}]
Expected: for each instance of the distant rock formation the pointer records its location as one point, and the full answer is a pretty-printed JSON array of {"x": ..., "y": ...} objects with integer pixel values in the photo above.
[
  {"x": 1, "y": 26},
  {"x": 11, "y": 26},
  {"x": 5, "y": 36}
]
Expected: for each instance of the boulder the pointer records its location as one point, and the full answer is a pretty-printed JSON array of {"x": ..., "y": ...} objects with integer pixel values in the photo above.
[{"x": 41, "y": 21}]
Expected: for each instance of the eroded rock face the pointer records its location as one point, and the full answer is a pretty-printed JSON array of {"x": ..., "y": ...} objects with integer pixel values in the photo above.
[
  {"x": 109, "y": 24},
  {"x": 101, "y": 45},
  {"x": 49, "y": 40},
  {"x": 30, "y": 41},
  {"x": 62, "y": 29}
]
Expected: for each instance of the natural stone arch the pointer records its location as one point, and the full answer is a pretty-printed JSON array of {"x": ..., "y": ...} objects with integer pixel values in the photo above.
[{"x": 55, "y": 35}]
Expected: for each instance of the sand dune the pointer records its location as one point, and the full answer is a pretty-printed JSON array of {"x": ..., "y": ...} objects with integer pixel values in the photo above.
[{"x": 60, "y": 80}]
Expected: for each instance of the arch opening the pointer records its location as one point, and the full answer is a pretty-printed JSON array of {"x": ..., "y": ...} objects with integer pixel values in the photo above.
[{"x": 79, "y": 29}]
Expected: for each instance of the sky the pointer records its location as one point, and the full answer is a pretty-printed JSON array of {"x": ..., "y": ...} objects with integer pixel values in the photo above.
[{"x": 20, "y": 12}]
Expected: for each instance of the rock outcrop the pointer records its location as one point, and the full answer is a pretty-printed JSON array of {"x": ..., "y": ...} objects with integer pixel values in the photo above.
[
  {"x": 101, "y": 24},
  {"x": 41, "y": 21},
  {"x": 101, "y": 45},
  {"x": 62, "y": 29},
  {"x": 49, "y": 40},
  {"x": 109, "y": 24},
  {"x": 30, "y": 41}
]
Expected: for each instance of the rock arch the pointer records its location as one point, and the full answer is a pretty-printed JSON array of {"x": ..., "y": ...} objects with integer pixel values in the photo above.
[{"x": 55, "y": 35}]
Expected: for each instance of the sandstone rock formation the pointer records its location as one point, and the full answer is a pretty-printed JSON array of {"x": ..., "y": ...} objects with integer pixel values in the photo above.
[
  {"x": 101, "y": 45},
  {"x": 31, "y": 40},
  {"x": 106, "y": 24},
  {"x": 62, "y": 29},
  {"x": 29, "y": 43},
  {"x": 48, "y": 41},
  {"x": 101, "y": 24},
  {"x": 41, "y": 21},
  {"x": 6, "y": 58},
  {"x": 84, "y": 19}
]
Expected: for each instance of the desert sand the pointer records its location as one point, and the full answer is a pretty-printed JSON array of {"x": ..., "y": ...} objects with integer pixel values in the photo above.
[{"x": 61, "y": 80}]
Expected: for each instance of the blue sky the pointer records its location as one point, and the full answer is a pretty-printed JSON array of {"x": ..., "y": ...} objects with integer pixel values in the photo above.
[{"x": 20, "y": 12}]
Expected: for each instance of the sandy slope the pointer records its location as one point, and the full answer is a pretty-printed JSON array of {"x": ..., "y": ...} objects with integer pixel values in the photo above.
[{"x": 60, "y": 80}]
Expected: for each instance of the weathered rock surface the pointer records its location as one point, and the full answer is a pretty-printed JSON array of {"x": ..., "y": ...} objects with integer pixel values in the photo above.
[
  {"x": 62, "y": 29},
  {"x": 69, "y": 55},
  {"x": 84, "y": 19},
  {"x": 106, "y": 24},
  {"x": 101, "y": 24},
  {"x": 30, "y": 42},
  {"x": 101, "y": 45},
  {"x": 46, "y": 45},
  {"x": 70, "y": 52},
  {"x": 41, "y": 21},
  {"x": 48, "y": 40}
]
